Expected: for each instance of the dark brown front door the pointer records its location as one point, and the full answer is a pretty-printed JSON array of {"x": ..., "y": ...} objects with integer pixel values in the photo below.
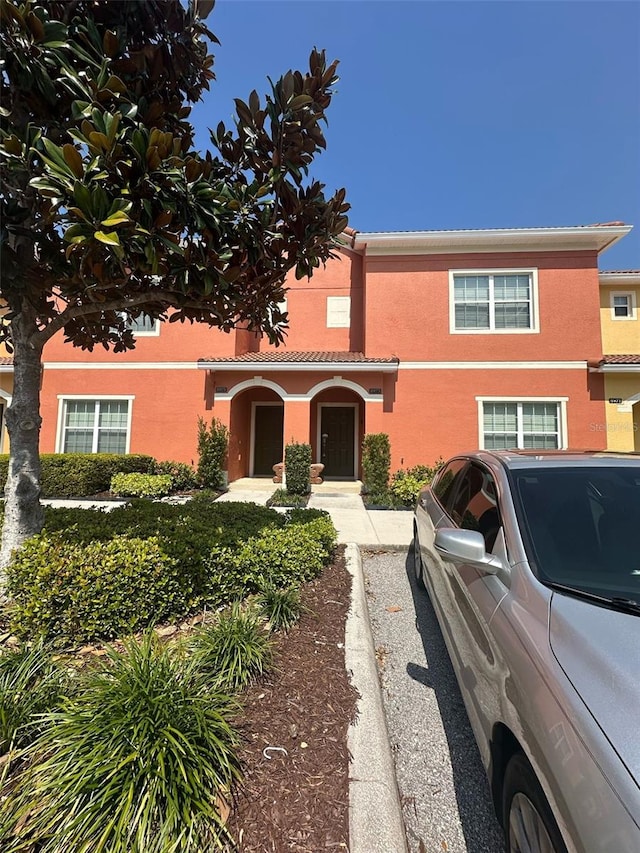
[
  {"x": 268, "y": 439},
  {"x": 337, "y": 441}
]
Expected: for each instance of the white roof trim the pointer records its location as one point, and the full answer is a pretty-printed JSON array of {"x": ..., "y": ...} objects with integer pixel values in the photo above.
[
  {"x": 617, "y": 368},
  {"x": 619, "y": 279},
  {"x": 587, "y": 237},
  {"x": 493, "y": 365}
]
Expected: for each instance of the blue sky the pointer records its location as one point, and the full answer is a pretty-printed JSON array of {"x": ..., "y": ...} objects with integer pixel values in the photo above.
[{"x": 458, "y": 114}]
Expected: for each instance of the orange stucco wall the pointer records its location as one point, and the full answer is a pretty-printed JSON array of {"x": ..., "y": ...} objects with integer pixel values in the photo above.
[
  {"x": 399, "y": 307},
  {"x": 407, "y": 309}
]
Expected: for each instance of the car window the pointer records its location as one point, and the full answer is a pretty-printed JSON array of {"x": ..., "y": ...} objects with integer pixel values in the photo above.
[
  {"x": 475, "y": 506},
  {"x": 446, "y": 483},
  {"x": 580, "y": 526}
]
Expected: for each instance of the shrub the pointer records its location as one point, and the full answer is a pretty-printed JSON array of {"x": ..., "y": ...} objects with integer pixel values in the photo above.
[
  {"x": 141, "y": 485},
  {"x": 376, "y": 461},
  {"x": 283, "y": 557},
  {"x": 323, "y": 531},
  {"x": 188, "y": 533},
  {"x": 137, "y": 762},
  {"x": 282, "y": 608},
  {"x": 72, "y": 592},
  {"x": 30, "y": 684},
  {"x": 280, "y": 557},
  {"x": 213, "y": 442},
  {"x": 406, "y": 485},
  {"x": 183, "y": 477},
  {"x": 305, "y": 515},
  {"x": 407, "y": 488},
  {"x": 70, "y": 475},
  {"x": 234, "y": 650},
  {"x": 297, "y": 468},
  {"x": 282, "y": 497}
]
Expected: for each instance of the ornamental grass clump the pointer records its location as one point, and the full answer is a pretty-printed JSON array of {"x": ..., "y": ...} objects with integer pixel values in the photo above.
[
  {"x": 233, "y": 650},
  {"x": 141, "y": 760},
  {"x": 30, "y": 685},
  {"x": 281, "y": 608}
]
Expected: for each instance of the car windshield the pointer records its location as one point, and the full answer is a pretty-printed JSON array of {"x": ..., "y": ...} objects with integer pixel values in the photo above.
[{"x": 581, "y": 526}]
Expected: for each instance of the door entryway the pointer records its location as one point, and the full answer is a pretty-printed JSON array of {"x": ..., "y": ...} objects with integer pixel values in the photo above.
[
  {"x": 338, "y": 440},
  {"x": 267, "y": 438}
]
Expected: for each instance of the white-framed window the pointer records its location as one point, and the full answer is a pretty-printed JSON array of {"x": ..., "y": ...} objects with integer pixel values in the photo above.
[
  {"x": 493, "y": 301},
  {"x": 143, "y": 325},
  {"x": 94, "y": 425},
  {"x": 534, "y": 423},
  {"x": 623, "y": 305},
  {"x": 338, "y": 312}
]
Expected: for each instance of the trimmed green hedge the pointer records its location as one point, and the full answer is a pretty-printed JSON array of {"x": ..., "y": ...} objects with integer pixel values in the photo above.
[
  {"x": 141, "y": 485},
  {"x": 74, "y": 475},
  {"x": 297, "y": 465},
  {"x": 376, "y": 462},
  {"x": 94, "y": 574},
  {"x": 80, "y": 593}
]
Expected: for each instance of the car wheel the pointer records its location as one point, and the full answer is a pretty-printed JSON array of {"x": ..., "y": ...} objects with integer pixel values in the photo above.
[
  {"x": 417, "y": 559},
  {"x": 529, "y": 825}
]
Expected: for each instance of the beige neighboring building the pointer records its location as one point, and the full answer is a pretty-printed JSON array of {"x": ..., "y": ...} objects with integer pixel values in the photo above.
[{"x": 620, "y": 363}]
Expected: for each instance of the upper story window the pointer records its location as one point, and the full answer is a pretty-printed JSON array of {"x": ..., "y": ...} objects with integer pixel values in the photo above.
[
  {"x": 91, "y": 425},
  {"x": 338, "y": 312},
  {"x": 623, "y": 305},
  {"x": 143, "y": 325},
  {"x": 493, "y": 302}
]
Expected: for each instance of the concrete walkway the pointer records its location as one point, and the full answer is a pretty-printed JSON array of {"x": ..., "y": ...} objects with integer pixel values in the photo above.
[{"x": 354, "y": 523}]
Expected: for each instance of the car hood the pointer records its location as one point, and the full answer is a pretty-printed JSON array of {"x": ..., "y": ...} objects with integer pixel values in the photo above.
[{"x": 599, "y": 650}]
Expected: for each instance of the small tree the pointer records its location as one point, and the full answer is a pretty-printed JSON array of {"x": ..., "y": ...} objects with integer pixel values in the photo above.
[
  {"x": 297, "y": 467},
  {"x": 376, "y": 462},
  {"x": 213, "y": 443},
  {"x": 108, "y": 212}
]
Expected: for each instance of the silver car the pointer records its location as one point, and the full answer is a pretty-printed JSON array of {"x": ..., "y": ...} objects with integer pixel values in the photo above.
[{"x": 532, "y": 563}]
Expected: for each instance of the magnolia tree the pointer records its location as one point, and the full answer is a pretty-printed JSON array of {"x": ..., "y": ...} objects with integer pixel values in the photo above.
[{"x": 108, "y": 210}]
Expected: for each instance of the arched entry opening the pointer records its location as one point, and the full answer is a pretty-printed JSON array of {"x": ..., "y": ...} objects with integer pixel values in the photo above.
[
  {"x": 337, "y": 427},
  {"x": 255, "y": 432}
]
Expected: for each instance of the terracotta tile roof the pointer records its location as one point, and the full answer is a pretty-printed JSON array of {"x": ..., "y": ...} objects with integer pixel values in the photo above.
[
  {"x": 290, "y": 357},
  {"x": 6, "y": 360},
  {"x": 621, "y": 359}
]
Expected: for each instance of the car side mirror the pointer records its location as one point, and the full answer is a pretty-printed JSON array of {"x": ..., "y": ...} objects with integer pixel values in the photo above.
[{"x": 466, "y": 546}]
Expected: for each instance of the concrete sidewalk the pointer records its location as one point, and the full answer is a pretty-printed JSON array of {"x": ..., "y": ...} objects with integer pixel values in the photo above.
[{"x": 354, "y": 523}]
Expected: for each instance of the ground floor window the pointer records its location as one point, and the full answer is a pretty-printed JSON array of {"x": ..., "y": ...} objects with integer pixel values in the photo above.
[
  {"x": 525, "y": 425},
  {"x": 95, "y": 426}
]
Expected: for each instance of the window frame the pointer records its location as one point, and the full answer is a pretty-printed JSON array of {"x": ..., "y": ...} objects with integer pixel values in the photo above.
[
  {"x": 631, "y": 304},
  {"x": 145, "y": 333},
  {"x": 335, "y": 300},
  {"x": 561, "y": 403},
  {"x": 534, "y": 327},
  {"x": 63, "y": 399}
]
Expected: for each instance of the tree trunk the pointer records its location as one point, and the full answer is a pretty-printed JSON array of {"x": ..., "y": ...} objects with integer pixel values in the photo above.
[{"x": 23, "y": 514}]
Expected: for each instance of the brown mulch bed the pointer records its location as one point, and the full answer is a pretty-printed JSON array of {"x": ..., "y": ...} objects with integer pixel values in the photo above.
[{"x": 298, "y": 800}]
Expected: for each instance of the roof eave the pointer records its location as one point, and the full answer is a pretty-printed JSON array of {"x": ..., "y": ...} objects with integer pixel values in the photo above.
[
  {"x": 596, "y": 238},
  {"x": 621, "y": 279}
]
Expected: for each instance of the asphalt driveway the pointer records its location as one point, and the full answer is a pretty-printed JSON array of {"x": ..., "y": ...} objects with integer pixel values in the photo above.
[{"x": 443, "y": 787}]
